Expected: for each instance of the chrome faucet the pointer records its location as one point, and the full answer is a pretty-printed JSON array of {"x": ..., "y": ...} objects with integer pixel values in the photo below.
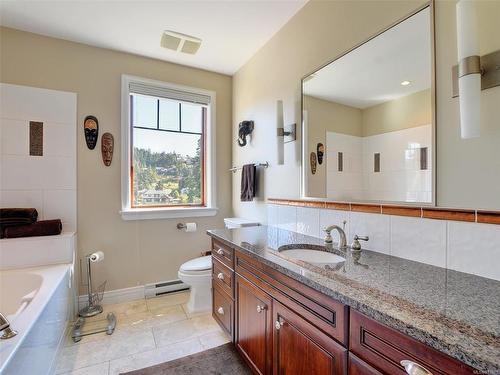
[
  {"x": 328, "y": 237},
  {"x": 7, "y": 332}
]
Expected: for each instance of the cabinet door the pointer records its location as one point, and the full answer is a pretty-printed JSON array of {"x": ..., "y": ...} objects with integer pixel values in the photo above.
[
  {"x": 254, "y": 326},
  {"x": 300, "y": 348},
  {"x": 359, "y": 367}
]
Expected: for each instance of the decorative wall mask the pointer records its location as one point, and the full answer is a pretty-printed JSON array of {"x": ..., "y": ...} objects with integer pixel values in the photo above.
[
  {"x": 313, "y": 161},
  {"x": 107, "y": 146},
  {"x": 245, "y": 129},
  {"x": 91, "y": 129},
  {"x": 320, "y": 150}
]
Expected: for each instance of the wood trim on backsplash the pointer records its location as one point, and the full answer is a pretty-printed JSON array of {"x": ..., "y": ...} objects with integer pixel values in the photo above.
[{"x": 472, "y": 216}]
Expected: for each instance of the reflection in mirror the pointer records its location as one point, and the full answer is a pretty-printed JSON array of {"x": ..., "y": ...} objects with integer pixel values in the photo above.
[{"x": 372, "y": 111}]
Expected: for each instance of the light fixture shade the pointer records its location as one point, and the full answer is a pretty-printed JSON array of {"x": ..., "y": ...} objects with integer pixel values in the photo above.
[
  {"x": 469, "y": 85},
  {"x": 280, "y": 124}
]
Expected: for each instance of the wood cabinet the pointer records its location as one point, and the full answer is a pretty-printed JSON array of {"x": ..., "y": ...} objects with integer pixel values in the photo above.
[
  {"x": 254, "y": 326},
  {"x": 301, "y": 348},
  {"x": 280, "y": 326}
]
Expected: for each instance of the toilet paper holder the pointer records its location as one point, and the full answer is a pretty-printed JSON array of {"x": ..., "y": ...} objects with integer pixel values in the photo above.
[
  {"x": 187, "y": 227},
  {"x": 181, "y": 226}
]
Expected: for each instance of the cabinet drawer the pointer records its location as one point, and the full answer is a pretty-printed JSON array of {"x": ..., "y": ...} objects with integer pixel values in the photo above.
[
  {"x": 384, "y": 348},
  {"x": 360, "y": 367},
  {"x": 223, "y": 310},
  {"x": 223, "y": 253},
  {"x": 222, "y": 277}
]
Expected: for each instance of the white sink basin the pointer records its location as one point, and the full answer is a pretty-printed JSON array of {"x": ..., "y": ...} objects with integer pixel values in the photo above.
[{"x": 316, "y": 257}]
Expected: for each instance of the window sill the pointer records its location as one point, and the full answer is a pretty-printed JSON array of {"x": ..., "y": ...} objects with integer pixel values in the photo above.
[{"x": 166, "y": 213}]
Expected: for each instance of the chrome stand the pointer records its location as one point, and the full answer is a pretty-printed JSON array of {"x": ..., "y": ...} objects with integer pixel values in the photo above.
[{"x": 94, "y": 299}]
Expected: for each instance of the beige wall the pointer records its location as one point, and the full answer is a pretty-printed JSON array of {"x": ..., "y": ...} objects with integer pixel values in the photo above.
[
  {"x": 403, "y": 113},
  {"x": 137, "y": 252},
  {"x": 467, "y": 169},
  {"x": 324, "y": 116}
]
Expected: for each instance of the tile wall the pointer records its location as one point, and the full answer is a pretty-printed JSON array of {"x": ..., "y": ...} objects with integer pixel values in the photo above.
[
  {"x": 48, "y": 182},
  {"x": 467, "y": 247}
]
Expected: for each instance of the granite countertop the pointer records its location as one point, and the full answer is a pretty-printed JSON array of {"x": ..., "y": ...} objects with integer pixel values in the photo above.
[{"x": 453, "y": 312}]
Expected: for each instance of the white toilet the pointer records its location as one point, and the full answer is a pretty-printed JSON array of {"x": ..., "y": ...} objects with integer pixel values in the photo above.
[{"x": 197, "y": 273}]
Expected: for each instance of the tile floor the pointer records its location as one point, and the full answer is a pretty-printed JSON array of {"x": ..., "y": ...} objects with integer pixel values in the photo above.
[{"x": 148, "y": 332}]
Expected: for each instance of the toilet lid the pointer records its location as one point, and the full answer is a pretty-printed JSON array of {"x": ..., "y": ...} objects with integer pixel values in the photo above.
[{"x": 198, "y": 264}]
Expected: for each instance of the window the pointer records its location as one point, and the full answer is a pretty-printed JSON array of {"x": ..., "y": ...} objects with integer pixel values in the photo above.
[{"x": 167, "y": 159}]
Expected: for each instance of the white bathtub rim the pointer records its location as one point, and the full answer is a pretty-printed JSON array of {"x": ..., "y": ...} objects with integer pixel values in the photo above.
[{"x": 33, "y": 311}]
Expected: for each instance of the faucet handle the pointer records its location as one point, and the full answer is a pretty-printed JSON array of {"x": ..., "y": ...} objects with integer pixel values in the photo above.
[
  {"x": 328, "y": 236},
  {"x": 355, "y": 243}
]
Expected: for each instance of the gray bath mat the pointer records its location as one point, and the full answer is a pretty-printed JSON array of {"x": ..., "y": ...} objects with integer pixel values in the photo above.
[{"x": 222, "y": 360}]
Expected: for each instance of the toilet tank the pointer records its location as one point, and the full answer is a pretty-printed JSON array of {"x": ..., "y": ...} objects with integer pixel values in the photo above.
[{"x": 238, "y": 222}]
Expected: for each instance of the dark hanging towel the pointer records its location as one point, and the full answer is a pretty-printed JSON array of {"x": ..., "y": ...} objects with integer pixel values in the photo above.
[{"x": 248, "y": 182}]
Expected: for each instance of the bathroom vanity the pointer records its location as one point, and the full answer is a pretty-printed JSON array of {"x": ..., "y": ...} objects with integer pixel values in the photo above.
[{"x": 367, "y": 314}]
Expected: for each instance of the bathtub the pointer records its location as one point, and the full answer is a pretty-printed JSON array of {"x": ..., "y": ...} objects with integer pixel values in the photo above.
[{"x": 37, "y": 302}]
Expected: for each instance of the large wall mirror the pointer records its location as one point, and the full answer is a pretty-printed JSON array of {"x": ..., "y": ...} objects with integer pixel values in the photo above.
[{"x": 368, "y": 119}]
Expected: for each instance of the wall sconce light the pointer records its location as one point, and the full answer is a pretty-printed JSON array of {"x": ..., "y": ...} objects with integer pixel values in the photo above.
[
  {"x": 473, "y": 73},
  {"x": 284, "y": 134}
]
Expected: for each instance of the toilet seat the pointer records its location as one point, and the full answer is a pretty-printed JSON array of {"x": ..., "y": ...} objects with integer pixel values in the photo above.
[{"x": 197, "y": 266}]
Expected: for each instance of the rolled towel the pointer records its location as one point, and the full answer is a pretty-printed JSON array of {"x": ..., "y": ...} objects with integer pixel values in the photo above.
[
  {"x": 40, "y": 228},
  {"x": 10, "y": 217}
]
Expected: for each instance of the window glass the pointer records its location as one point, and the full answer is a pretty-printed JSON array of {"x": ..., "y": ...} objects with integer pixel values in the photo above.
[
  {"x": 144, "y": 111},
  {"x": 167, "y": 163},
  {"x": 169, "y": 115},
  {"x": 191, "y": 115}
]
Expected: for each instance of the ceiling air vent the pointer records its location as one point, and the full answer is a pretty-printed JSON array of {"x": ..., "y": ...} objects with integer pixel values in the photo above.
[{"x": 180, "y": 42}]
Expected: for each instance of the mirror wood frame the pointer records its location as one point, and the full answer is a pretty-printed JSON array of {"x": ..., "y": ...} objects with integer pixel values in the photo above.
[{"x": 304, "y": 151}]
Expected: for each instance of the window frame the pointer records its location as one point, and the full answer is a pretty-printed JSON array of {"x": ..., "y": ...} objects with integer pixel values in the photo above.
[{"x": 208, "y": 205}]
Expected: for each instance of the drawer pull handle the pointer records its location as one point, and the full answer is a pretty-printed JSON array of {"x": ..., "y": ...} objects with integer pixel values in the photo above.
[
  {"x": 220, "y": 310},
  {"x": 278, "y": 325},
  {"x": 220, "y": 251},
  {"x": 220, "y": 276},
  {"x": 413, "y": 368},
  {"x": 260, "y": 308}
]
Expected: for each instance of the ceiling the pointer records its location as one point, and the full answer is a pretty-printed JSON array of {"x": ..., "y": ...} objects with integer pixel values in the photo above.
[
  {"x": 232, "y": 31},
  {"x": 372, "y": 74}
]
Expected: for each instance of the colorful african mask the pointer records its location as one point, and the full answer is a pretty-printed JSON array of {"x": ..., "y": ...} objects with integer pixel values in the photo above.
[
  {"x": 91, "y": 129},
  {"x": 107, "y": 146},
  {"x": 312, "y": 160}
]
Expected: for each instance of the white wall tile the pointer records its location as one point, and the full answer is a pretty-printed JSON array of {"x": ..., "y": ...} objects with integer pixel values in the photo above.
[
  {"x": 22, "y": 198},
  {"x": 37, "y": 172},
  {"x": 59, "y": 139},
  {"x": 421, "y": 240},
  {"x": 36, "y": 104},
  {"x": 287, "y": 218},
  {"x": 474, "y": 248},
  {"x": 14, "y": 137},
  {"x": 333, "y": 217},
  {"x": 59, "y": 204},
  {"x": 308, "y": 221},
  {"x": 272, "y": 215},
  {"x": 376, "y": 227}
]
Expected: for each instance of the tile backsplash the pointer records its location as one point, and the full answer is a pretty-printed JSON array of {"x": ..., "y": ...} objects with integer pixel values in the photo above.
[
  {"x": 462, "y": 246},
  {"x": 46, "y": 179}
]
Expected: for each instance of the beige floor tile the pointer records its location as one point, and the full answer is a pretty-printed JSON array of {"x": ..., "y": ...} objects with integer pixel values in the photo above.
[
  {"x": 213, "y": 339},
  {"x": 184, "y": 330},
  {"x": 194, "y": 315},
  {"x": 167, "y": 300},
  {"x": 99, "y": 369},
  {"x": 154, "y": 357},
  {"x": 105, "y": 348}
]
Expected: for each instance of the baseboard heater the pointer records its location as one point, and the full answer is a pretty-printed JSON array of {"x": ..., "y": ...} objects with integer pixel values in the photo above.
[{"x": 162, "y": 288}]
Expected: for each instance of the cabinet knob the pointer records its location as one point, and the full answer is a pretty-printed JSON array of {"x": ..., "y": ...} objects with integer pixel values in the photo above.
[
  {"x": 278, "y": 325},
  {"x": 220, "y": 310},
  {"x": 413, "y": 368},
  {"x": 220, "y": 276},
  {"x": 260, "y": 308},
  {"x": 220, "y": 251}
]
